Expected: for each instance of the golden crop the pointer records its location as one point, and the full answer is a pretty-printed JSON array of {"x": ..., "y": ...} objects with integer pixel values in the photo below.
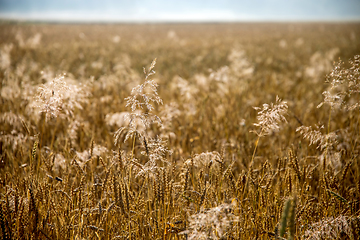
[{"x": 180, "y": 131}]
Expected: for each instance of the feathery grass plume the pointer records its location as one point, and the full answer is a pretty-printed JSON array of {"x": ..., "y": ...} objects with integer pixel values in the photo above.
[
  {"x": 59, "y": 98},
  {"x": 335, "y": 96},
  {"x": 270, "y": 116},
  {"x": 317, "y": 137},
  {"x": 156, "y": 150},
  {"x": 12, "y": 120},
  {"x": 354, "y": 82},
  {"x": 204, "y": 160},
  {"x": 5, "y": 57},
  {"x": 331, "y": 228},
  {"x": 344, "y": 84},
  {"x": 141, "y": 98},
  {"x": 14, "y": 130},
  {"x": 325, "y": 142},
  {"x": 170, "y": 113},
  {"x": 210, "y": 224},
  {"x": 342, "y": 94},
  {"x": 50, "y": 97}
]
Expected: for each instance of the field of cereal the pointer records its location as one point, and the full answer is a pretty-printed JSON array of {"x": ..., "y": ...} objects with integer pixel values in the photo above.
[{"x": 180, "y": 131}]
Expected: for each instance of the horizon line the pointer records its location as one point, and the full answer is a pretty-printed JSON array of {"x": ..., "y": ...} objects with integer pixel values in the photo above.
[
  {"x": 71, "y": 17},
  {"x": 173, "y": 21}
]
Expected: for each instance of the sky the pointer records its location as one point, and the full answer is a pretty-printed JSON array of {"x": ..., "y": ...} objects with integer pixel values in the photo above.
[{"x": 180, "y": 10}]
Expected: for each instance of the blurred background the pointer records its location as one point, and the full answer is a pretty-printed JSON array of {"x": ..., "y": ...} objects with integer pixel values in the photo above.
[{"x": 179, "y": 11}]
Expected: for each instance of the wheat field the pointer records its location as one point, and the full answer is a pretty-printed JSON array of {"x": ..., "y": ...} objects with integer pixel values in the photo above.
[{"x": 180, "y": 131}]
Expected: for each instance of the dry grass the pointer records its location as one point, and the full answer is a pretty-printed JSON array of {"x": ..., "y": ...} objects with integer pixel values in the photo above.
[{"x": 94, "y": 148}]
